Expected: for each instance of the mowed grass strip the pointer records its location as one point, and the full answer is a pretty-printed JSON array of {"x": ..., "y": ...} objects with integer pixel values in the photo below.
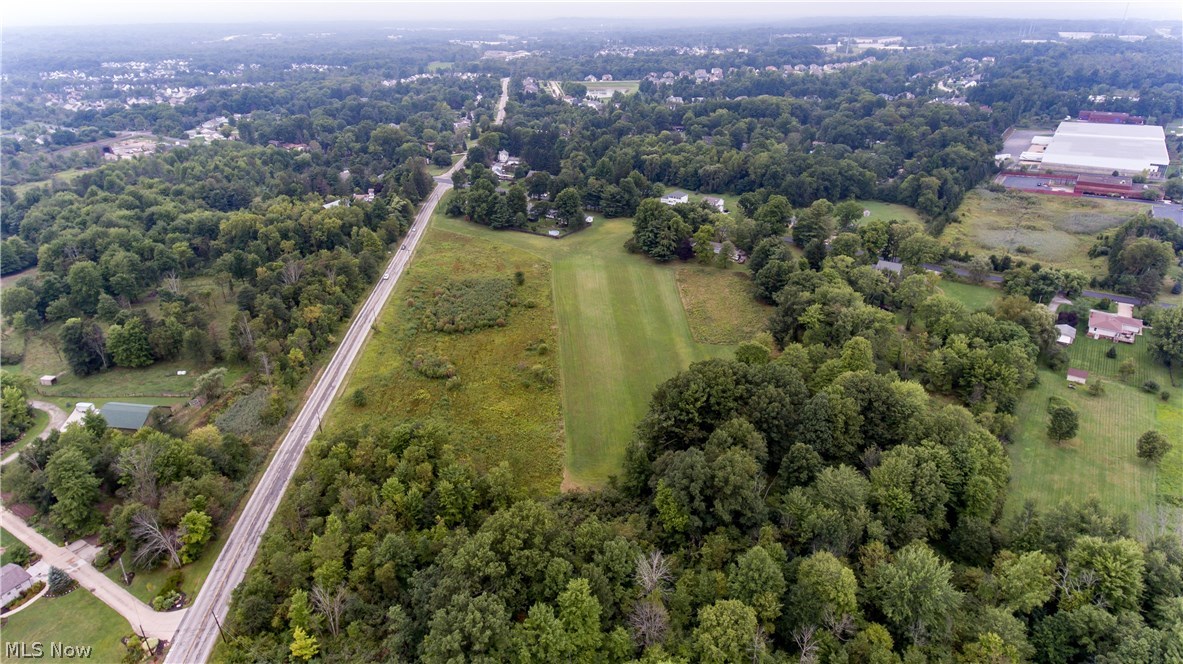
[
  {"x": 720, "y": 305},
  {"x": 622, "y": 331},
  {"x": 1101, "y": 461},
  {"x": 495, "y": 408},
  {"x": 974, "y": 297}
]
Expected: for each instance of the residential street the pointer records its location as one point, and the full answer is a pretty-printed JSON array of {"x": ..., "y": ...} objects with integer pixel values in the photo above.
[{"x": 198, "y": 632}]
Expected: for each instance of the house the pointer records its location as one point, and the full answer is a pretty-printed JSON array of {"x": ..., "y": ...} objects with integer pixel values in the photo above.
[
  {"x": 1067, "y": 334},
  {"x": 1114, "y": 327},
  {"x": 889, "y": 266},
  {"x": 336, "y": 203},
  {"x": 80, "y": 410},
  {"x": 14, "y": 580},
  {"x": 48, "y": 380},
  {"x": 716, "y": 203},
  {"x": 675, "y": 197},
  {"x": 737, "y": 256},
  {"x": 129, "y": 416},
  {"x": 1077, "y": 377}
]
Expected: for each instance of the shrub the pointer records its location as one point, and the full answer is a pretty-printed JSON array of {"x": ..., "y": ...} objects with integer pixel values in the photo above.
[
  {"x": 429, "y": 365},
  {"x": 16, "y": 552},
  {"x": 1096, "y": 388},
  {"x": 1150, "y": 386},
  {"x": 358, "y": 398},
  {"x": 1164, "y": 395},
  {"x": 1111, "y": 353},
  {"x": 244, "y": 416},
  {"x": 1127, "y": 368},
  {"x": 165, "y": 601},
  {"x": 519, "y": 277},
  {"x": 467, "y": 306},
  {"x": 102, "y": 560}
]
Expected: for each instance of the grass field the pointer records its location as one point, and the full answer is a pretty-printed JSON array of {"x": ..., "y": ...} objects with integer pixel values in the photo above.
[
  {"x": 622, "y": 330},
  {"x": 625, "y": 87},
  {"x": 1052, "y": 230},
  {"x": 974, "y": 297},
  {"x": 146, "y": 584},
  {"x": 65, "y": 177},
  {"x": 90, "y": 623},
  {"x": 1101, "y": 460},
  {"x": 720, "y": 305},
  {"x": 498, "y": 411},
  {"x": 889, "y": 211}
]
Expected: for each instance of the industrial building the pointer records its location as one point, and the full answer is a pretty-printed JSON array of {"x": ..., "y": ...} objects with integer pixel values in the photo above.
[{"x": 1090, "y": 147}]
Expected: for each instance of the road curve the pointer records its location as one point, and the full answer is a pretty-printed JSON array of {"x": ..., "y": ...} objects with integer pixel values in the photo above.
[{"x": 198, "y": 631}]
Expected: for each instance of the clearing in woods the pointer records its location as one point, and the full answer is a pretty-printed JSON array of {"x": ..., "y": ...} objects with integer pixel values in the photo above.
[{"x": 622, "y": 330}]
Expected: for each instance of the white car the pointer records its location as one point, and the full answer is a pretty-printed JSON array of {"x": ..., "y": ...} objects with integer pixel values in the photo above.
[{"x": 386, "y": 276}]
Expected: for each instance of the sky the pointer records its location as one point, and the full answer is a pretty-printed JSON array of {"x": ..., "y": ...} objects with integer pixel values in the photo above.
[{"x": 123, "y": 12}]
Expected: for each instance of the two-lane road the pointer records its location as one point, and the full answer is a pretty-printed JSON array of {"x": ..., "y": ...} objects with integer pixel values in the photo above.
[{"x": 198, "y": 632}]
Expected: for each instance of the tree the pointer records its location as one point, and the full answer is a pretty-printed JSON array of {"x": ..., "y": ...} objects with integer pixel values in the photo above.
[
  {"x": 825, "y": 591},
  {"x": 1020, "y": 583},
  {"x": 1127, "y": 369},
  {"x": 84, "y": 346},
  {"x": 569, "y": 206},
  {"x": 914, "y": 591},
  {"x": 579, "y": 615},
  {"x": 1153, "y": 446},
  {"x": 15, "y": 417},
  {"x": 726, "y": 632},
  {"x": 155, "y": 542},
  {"x": 75, "y": 489},
  {"x": 60, "y": 583},
  {"x": 848, "y": 212},
  {"x": 658, "y": 230},
  {"x": 1166, "y": 338},
  {"x": 979, "y": 268},
  {"x": 211, "y": 384},
  {"x": 128, "y": 344},
  {"x": 304, "y": 645},
  {"x": 1062, "y": 423},
  {"x": 1115, "y": 566},
  {"x": 758, "y": 582},
  {"x": 196, "y": 529}
]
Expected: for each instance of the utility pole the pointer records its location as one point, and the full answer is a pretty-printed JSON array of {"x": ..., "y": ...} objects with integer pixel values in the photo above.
[{"x": 224, "y": 639}]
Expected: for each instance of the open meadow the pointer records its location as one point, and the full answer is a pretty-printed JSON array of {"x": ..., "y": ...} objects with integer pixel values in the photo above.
[
  {"x": 1101, "y": 460},
  {"x": 1052, "y": 230},
  {"x": 621, "y": 328},
  {"x": 721, "y": 306}
]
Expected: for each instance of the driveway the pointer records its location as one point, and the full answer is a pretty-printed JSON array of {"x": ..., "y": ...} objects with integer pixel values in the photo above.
[
  {"x": 140, "y": 616},
  {"x": 57, "y": 417}
]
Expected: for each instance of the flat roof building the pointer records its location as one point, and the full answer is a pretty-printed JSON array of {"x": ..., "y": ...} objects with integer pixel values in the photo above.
[{"x": 1090, "y": 147}]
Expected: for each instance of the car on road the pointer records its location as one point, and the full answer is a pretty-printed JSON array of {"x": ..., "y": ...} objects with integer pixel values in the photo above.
[{"x": 386, "y": 275}]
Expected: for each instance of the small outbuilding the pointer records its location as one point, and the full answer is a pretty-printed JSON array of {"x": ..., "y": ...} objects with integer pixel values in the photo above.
[
  {"x": 889, "y": 266},
  {"x": 1077, "y": 377},
  {"x": 129, "y": 416},
  {"x": 47, "y": 380},
  {"x": 1067, "y": 334}
]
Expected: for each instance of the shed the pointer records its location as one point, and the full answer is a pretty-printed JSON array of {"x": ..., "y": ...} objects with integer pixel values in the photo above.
[
  {"x": 889, "y": 266},
  {"x": 1079, "y": 376},
  {"x": 47, "y": 380},
  {"x": 131, "y": 416},
  {"x": 13, "y": 581},
  {"x": 1067, "y": 334}
]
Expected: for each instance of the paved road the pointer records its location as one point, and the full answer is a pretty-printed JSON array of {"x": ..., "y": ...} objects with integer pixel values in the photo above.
[
  {"x": 500, "y": 117},
  {"x": 57, "y": 417},
  {"x": 197, "y": 634},
  {"x": 143, "y": 619}
]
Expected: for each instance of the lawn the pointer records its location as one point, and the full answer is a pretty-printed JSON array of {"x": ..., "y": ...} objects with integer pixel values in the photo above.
[
  {"x": 888, "y": 211},
  {"x": 504, "y": 401},
  {"x": 1101, "y": 461},
  {"x": 1052, "y": 230},
  {"x": 625, "y": 87},
  {"x": 974, "y": 297},
  {"x": 622, "y": 330},
  {"x": 720, "y": 305},
  {"x": 75, "y": 619}
]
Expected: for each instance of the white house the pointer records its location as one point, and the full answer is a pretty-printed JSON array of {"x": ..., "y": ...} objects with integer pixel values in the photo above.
[
  {"x": 13, "y": 581},
  {"x": 1114, "y": 327},
  {"x": 716, "y": 203},
  {"x": 675, "y": 197}
]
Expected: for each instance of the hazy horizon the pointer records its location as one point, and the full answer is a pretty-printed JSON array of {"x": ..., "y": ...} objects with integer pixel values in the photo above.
[{"x": 64, "y": 13}]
